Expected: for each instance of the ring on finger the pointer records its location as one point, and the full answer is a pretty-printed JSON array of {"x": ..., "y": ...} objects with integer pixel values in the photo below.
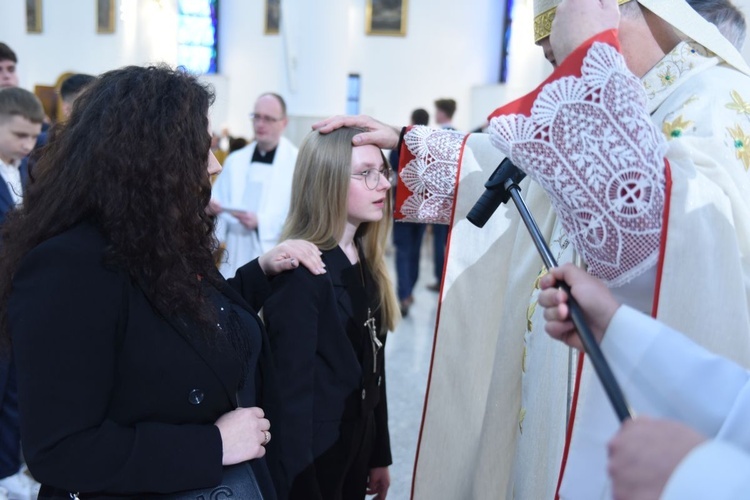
[{"x": 266, "y": 438}]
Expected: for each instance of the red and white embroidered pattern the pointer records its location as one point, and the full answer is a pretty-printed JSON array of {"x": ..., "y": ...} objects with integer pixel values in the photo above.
[
  {"x": 431, "y": 176},
  {"x": 591, "y": 145}
]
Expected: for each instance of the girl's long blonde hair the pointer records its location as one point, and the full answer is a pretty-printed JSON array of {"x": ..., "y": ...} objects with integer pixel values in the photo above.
[{"x": 318, "y": 210}]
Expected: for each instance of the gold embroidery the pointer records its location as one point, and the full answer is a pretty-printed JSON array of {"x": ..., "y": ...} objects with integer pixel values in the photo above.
[
  {"x": 530, "y": 314},
  {"x": 562, "y": 241},
  {"x": 666, "y": 77},
  {"x": 741, "y": 145},
  {"x": 532, "y": 306},
  {"x": 543, "y": 22},
  {"x": 675, "y": 128},
  {"x": 691, "y": 100},
  {"x": 739, "y": 104},
  {"x": 660, "y": 80},
  {"x": 542, "y": 273}
]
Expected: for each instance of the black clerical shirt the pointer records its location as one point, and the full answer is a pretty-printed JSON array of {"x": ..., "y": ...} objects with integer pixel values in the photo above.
[{"x": 260, "y": 157}]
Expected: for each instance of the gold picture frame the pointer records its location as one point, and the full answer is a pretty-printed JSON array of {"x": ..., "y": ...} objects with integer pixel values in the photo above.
[
  {"x": 105, "y": 16},
  {"x": 33, "y": 16},
  {"x": 272, "y": 17},
  {"x": 386, "y": 17}
]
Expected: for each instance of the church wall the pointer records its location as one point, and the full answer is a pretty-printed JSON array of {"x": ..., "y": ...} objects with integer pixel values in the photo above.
[
  {"x": 449, "y": 48},
  {"x": 452, "y": 49},
  {"x": 69, "y": 41}
]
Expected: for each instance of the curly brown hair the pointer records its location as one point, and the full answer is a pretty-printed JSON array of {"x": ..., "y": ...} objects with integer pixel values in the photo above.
[{"x": 132, "y": 159}]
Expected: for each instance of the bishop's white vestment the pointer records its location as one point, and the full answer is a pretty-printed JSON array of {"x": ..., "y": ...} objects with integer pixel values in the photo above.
[{"x": 647, "y": 180}]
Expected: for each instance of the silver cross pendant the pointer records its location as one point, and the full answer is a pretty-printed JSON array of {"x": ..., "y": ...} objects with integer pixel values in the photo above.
[{"x": 376, "y": 343}]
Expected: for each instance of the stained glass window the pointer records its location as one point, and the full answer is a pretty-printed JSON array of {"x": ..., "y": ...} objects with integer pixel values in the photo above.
[
  {"x": 352, "y": 94},
  {"x": 197, "y": 35},
  {"x": 507, "y": 28}
]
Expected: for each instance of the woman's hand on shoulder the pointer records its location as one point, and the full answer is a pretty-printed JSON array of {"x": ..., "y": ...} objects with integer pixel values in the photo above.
[
  {"x": 244, "y": 434},
  {"x": 289, "y": 254}
]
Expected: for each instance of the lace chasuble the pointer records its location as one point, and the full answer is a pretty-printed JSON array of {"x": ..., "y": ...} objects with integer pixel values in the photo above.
[{"x": 644, "y": 178}]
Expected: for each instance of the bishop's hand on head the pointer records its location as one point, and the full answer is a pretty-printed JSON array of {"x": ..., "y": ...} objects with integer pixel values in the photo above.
[{"x": 376, "y": 133}]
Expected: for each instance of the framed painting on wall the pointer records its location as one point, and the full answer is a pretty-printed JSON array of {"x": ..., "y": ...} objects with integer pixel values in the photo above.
[
  {"x": 386, "y": 17},
  {"x": 272, "y": 17},
  {"x": 33, "y": 16},
  {"x": 105, "y": 16}
]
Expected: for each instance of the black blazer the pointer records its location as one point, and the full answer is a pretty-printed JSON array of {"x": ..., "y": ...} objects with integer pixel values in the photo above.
[
  {"x": 114, "y": 398},
  {"x": 324, "y": 363}
]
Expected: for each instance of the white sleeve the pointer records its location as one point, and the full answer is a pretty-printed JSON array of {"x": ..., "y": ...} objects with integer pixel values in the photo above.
[
  {"x": 715, "y": 470},
  {"x": 664, "y": 374}
]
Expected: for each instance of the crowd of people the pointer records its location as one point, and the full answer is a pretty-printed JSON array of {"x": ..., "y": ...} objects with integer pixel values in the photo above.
[{"x": 179, "y": 327}]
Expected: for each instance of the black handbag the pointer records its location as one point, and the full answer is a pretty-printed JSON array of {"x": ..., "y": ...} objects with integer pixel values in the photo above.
[{"x": 238, "y": 482}]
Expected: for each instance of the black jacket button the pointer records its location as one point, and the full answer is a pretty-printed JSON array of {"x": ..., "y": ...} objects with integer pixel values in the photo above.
[{"x": 196, "y": 397}]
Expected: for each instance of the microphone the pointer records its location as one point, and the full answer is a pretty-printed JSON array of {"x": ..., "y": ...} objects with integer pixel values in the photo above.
[{"x": 495, "y": 192}]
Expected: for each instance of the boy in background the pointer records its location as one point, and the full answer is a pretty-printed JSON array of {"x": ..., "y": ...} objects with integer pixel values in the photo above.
[
  {"x": 21, "y": 117},
  {"x": 8, "y": 61}
]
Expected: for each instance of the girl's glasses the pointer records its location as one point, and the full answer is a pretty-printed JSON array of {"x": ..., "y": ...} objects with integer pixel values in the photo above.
[{"x": 372, "y": 177}]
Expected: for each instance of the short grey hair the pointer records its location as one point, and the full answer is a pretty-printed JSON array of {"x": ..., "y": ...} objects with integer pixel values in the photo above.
[{"x": 725, "y": 16}]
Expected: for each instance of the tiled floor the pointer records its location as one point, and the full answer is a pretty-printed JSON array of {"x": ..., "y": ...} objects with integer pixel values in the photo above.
[{"x": 408, "y": 354}]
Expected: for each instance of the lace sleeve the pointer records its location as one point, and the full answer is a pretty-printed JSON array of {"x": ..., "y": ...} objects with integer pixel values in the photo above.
[
  {"x": 590, "y": 143},
  {"x": 429, "y": 174}
]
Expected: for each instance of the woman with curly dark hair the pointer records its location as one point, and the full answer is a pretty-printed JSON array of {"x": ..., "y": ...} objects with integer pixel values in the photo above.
[{"x": 131, "y": 349}]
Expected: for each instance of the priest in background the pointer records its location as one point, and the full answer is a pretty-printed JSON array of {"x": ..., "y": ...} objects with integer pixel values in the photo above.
[{"x": 252, "y": 194}]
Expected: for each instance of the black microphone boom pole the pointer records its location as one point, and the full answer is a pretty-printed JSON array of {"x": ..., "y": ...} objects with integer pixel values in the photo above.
[{"x": 502, "y": 186}]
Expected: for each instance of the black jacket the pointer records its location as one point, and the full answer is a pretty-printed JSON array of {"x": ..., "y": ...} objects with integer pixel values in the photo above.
[
  {"x": 324, "y": 360},
  {"x": 114, "y": 398}
]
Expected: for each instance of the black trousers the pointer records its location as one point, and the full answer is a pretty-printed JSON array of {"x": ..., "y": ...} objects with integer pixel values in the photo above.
[{"x": 407, "y": 238}]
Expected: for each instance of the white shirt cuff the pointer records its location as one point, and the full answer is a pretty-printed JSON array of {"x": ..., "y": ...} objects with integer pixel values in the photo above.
[
  {"x": 715, "y": 470},
  {"x": 629, "y": 335}
]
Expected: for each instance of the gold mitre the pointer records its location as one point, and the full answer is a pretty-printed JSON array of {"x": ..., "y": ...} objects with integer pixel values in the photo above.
[
  {"x": 677, "y": 13},
  {"x": 544, "y": 13}
]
